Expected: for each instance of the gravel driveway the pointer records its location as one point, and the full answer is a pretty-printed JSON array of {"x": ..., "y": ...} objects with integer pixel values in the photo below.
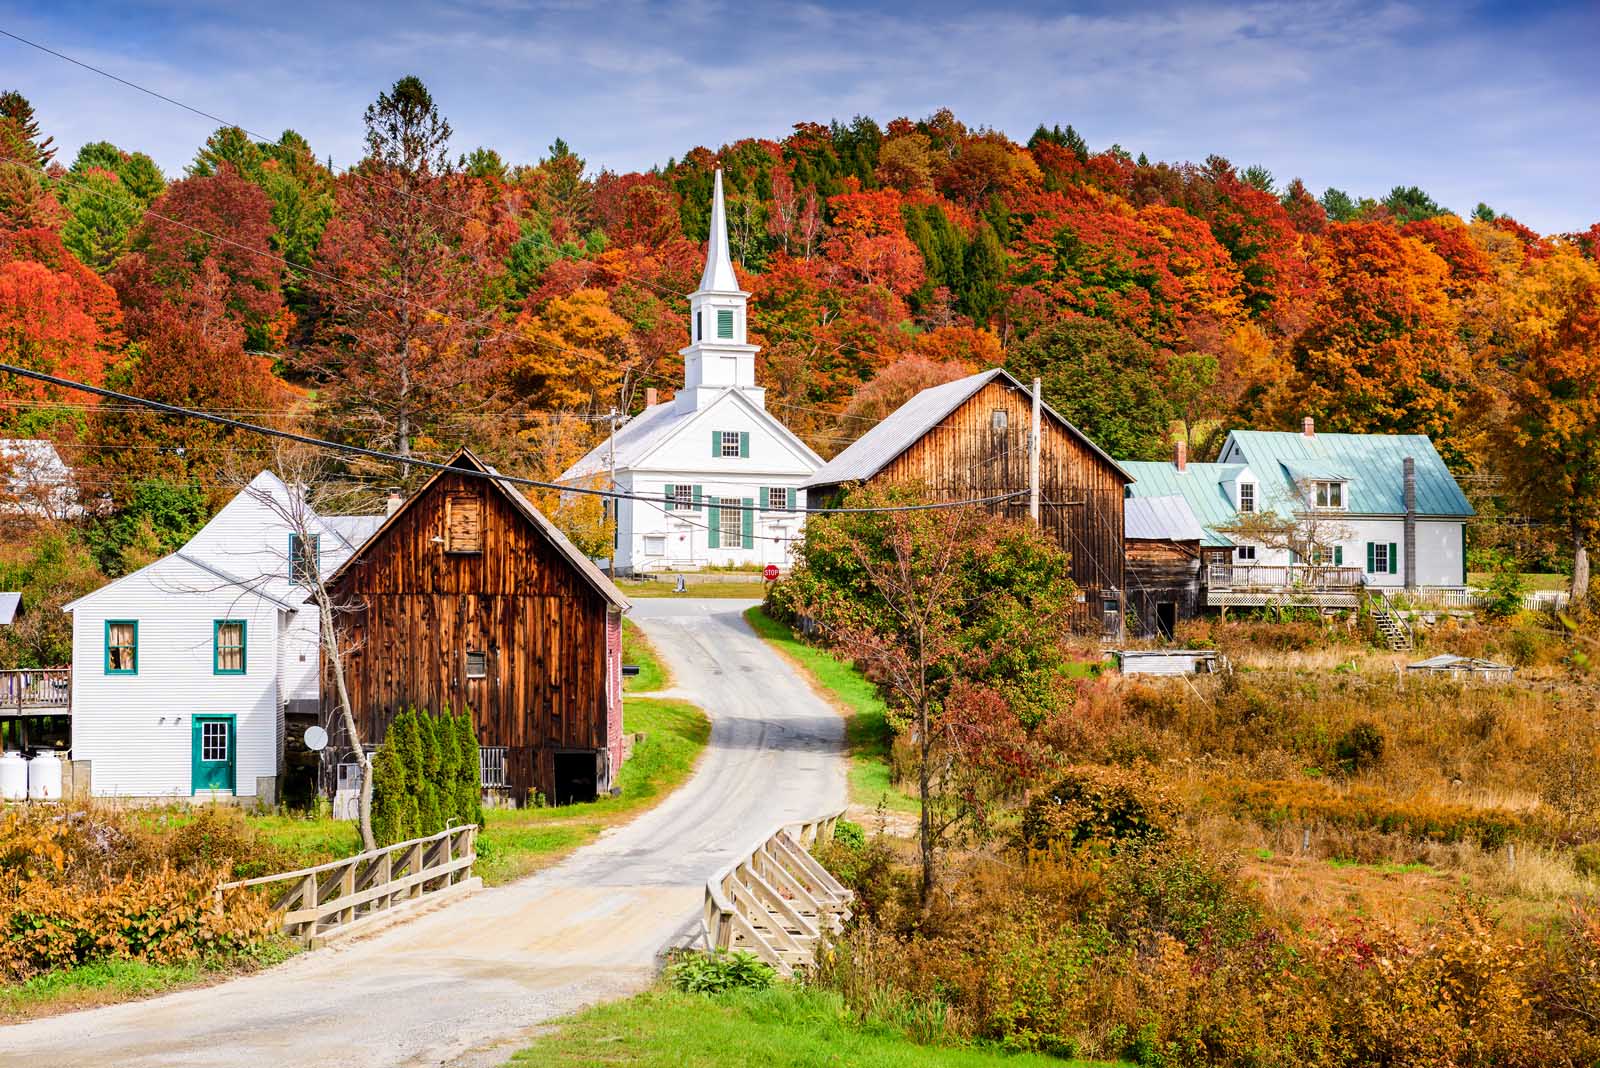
[{"x": 464, "y": 985}]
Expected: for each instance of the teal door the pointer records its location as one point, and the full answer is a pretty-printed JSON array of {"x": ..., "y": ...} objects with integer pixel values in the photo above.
[{"x": 212, "y": 758}]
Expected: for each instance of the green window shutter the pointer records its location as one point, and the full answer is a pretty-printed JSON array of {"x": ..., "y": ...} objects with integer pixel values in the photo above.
[
  {"x": 766, "y": 498},
  {"x": 744, "y": 444},
  {"x": 1338, "y": 555},
  {"x": 749, "y": 524},
  {"x": 713, "y": 524},
  {"x": 1372, "y": 557},
  {"x": 671, "y": 489},
  {"x": 716, "y": 443},
  {"x": 697, "y": 506},
  {"x": 1394, "y": 557},
  {"x": 725, "y": 323}
]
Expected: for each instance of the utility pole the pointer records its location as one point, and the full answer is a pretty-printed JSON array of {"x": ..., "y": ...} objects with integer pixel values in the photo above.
[
  {"x": 612, "y": 503},
  {"x": 1033, "y": 458}
]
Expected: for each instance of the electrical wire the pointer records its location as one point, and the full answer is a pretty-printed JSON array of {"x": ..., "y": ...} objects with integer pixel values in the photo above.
[{"x": 395, "y": 458}]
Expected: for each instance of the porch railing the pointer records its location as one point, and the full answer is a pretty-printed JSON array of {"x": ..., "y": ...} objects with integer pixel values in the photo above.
[
  {"x": 1283, "y": 577},
  {"x": 36, "y": 689}
]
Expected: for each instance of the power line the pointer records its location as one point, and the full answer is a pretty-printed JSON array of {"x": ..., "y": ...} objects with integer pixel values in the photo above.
[{"x": 395, "y": 458}]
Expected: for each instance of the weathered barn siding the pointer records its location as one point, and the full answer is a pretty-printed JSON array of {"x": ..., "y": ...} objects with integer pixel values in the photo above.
[
  {"x": 965, "y": 456},
  {"x": 415, "y": 610},
  {"x": 1162, "y": 572}
]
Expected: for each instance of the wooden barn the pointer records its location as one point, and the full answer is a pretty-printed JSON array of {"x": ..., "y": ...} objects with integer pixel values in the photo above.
[
  {"x": 1166, "y": 579},
  {"x": 468, "y": 598},
  {"x": 969, "y": 439}
]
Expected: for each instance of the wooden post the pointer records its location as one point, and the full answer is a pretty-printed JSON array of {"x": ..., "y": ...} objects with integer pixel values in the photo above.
[
  {"x": 347, "y": 886},
  {"x": 1033, "y": 457},
  {"x": 385, "y": 877}
]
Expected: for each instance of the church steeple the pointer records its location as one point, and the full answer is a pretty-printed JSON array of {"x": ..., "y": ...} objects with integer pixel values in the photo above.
[{"x": 718, "y": 355}]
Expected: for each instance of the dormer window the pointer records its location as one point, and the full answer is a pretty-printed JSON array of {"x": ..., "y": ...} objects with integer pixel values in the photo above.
[
  {"x": 1329, "y": 494},
  {"x": 1247, "y": 496}
]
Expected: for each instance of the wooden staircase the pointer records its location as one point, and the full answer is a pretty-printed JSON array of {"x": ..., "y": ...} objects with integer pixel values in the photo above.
[
  {"x": 776, "y": 901},
  {"x": 1392, "y": 626}
]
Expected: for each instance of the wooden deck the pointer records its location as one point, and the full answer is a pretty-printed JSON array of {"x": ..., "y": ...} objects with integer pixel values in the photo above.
[
  {"x": 1247, "y": 585},
  {"x": 36, "y": 692}
]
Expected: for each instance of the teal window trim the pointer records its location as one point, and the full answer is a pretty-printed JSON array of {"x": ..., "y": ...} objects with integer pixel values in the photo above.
[
  {"x": 296, "y": 564},
  {"x": 134, "y": 647},
  {"x": 217, "y": 646}
]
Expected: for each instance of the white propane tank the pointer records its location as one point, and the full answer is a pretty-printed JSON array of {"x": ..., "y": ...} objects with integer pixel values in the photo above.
[
  {"x": 13, "y": 777},
  {"x": 44, "y": 778}
]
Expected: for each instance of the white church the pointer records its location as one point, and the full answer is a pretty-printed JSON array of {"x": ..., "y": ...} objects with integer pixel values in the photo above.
[{"x": 714, "y": 471}]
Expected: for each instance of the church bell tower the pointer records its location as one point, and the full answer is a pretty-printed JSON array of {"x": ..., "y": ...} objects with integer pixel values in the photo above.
[{"x": 718, "y": 355}]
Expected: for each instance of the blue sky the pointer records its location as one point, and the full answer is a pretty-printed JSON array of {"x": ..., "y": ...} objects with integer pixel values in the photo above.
[{"x": 1491, "y": 102}]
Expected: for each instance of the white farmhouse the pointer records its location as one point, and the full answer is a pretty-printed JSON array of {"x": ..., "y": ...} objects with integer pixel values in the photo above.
[
  {"x": 1387, "y": 513},
  {"x": 718, "y": 471},
  {"x": 183, "y": 672}
]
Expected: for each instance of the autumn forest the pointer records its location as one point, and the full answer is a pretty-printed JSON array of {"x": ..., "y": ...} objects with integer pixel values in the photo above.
[{"x": 430, "y": 296}]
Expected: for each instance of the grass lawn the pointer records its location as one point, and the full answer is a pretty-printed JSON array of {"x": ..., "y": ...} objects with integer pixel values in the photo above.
[
  {"x": 1534, "y": 579},
  {"x": 110, "y": 981},
  {"x": 752, "y": 590},
  {"x": 516, "y": 842},
  {"x": 786, "y": 1027},
  {"x": 866, "y": 728},
  {"x": 636, "y": 649}
]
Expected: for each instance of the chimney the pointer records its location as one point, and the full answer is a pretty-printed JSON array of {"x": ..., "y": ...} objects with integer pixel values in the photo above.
[
  {"x": 1308, "y": 427},
  {"x": 396, "y": 499},
  {"x": 650, "y": 396},
  {"x": 1409, "y": 469},
  {"x": 1181, "y": 459}
]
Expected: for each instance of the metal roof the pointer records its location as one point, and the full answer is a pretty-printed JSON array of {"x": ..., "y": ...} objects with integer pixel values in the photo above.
[
  {"x": 1200, "y": 486},
  {"x": 1372, "y": 464},
  {"x": 1161, "y": 519},
  {"x": 906, "y": 425}
]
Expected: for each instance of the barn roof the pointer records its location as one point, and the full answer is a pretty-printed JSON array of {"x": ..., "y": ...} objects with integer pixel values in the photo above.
[
  {"x": 465, "y": 460},
  {"x": 1160, "y": 519},
  {"x": 1200, "y": 485},
  {"x": 906, "y": 425}
]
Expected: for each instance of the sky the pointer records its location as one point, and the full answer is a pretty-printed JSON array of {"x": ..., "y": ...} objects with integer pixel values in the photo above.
[{"x": 1498, "y": 103}]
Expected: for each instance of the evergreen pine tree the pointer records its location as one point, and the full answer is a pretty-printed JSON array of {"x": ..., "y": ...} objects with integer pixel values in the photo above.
[
  {"x": 985, "y": 270},
  {"x": 448, "y": 740},
  {"x": 469, "y": 789},
  {"x": 394, "y": 807},
  {"x": 430, "y": 819}
]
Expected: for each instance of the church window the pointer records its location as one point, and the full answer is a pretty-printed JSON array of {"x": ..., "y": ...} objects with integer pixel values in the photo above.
[
  {"x": 725, "y": 323},
  {"x": 730, "y": 443}
]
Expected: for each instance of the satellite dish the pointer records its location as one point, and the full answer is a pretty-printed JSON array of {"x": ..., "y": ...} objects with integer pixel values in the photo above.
[{"x": 316, "y": 738}]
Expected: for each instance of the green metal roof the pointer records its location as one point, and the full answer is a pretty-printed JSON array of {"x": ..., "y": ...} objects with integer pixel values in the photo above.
[
  {"x": 1372, "y": 463},
  {"x": 1200, "y": 485}
]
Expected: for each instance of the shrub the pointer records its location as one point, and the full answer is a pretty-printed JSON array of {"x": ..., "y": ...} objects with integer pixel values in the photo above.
[
  {"x": 1098, "y": 805},
  {"x": 430, "y": 818},
  {"x": 849, "y": 835},
  {"x": 712, "y": 973},
  {"x": 394, "y": 805},
  {"x": 1502, "y": 598},
  {"x": 1360, "y": 747},
  {"x": 1275, "y": 802},
  {"x": 469, "y": 790},
  {"x": 1586, "y": 859}
]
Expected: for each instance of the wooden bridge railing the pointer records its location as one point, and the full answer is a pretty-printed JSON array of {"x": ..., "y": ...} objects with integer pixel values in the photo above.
[
  {"x": 776, "y": 901},
  {"x": 327, "y": 900},
  {"x": 36, "y": 689}
]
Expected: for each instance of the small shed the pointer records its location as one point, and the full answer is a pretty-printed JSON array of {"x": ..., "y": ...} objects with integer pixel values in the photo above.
[
  {"x": 1463, "y": 667},
  {"x": 1162, "y": 538},
  {"x": 1170, "y": 661}
]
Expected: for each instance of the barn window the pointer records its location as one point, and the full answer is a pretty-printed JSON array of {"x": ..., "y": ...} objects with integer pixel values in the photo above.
[
  {"x": 492, "y": 767},
  {"x": 998, "y": 419},
  {"x": 122, "y": 647},
  {"x": 477, "y": 664},
  {"x": 463, "y": 523},
  {"x": 227, "y": 655}
]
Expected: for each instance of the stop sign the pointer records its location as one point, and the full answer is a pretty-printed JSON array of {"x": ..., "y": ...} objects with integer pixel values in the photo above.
[{"x": 770, "y": 573}]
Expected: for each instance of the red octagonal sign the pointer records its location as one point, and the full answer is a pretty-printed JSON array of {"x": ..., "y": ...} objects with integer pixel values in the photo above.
[{"x": 770, "y": 573}]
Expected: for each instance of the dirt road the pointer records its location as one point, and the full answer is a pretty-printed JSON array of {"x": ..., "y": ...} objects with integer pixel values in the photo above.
[{"x": 465, "y": 984}]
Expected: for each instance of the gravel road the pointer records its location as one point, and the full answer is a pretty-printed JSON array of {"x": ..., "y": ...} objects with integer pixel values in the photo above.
[{"x": 465, "y": 985}]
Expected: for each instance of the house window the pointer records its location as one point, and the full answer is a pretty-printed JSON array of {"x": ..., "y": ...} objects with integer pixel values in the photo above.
[
  {"x": 725, "y": 323},
  {"x": 997, "y": 421},
  {"x": 1330, "y": 494},
  {"x": 1324, "y": 556},
  {"x": 122, "y": 647},
  {"x": 730, "y": 443},
  {"x": 680, "y": 497},
  {"x": 655, "y": 545},
  {"x": 730, "y": 521},
  {"x": 1246, "y": 554},
  {"x": 463, "y": 523},
  {"x": 778, "y": 497},
  {"x": 1383, "y": 558},
  {"x": 227, "y": 655},
  {"x": 1247, "y": 496},
  {"x": 477, "y": 664},
  {"x": 214, "y": 740},
  {"x": 305, "y": 559}
]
